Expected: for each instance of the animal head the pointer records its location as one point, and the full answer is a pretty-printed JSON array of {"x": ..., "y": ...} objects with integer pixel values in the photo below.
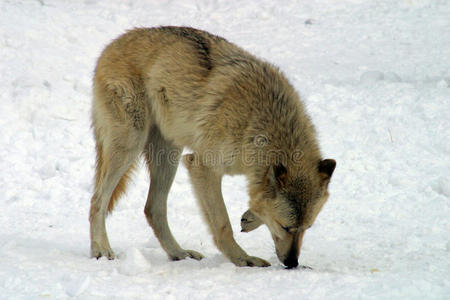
[{"x": 288, "y": 202}]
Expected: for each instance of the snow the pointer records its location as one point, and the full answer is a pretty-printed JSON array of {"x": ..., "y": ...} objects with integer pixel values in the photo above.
[
  {"x": 371, "y": 76},
  {"x": 375, "y": 78}
]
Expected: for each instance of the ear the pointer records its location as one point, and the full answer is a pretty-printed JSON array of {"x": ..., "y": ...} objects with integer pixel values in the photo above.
[
  {"x": 278, "y": 173},
  {"x": 326, "y": 168}
]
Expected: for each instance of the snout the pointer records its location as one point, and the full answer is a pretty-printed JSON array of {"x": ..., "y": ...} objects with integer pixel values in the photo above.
[
  {"x": 289, "y": 257},
  {"x": 291, "y": 261}
]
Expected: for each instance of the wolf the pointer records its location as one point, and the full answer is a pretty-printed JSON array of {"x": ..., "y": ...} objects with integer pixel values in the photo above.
[{"x": 159, "y": 90}]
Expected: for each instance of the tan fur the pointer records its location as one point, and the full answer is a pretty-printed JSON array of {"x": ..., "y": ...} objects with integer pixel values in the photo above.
[
  {"x": 120, "y": 188},
  {"x": 158, "y": 90}
]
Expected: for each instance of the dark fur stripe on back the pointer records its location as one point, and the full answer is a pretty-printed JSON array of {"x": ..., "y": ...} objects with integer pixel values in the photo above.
[{"x": 199, "y": 40}]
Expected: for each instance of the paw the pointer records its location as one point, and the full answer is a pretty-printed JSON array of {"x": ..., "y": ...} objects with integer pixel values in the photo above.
[
  {"x": 186, "y": 253},
  {"x": 249, "y": 222},
  {"x": 250, "y": 261},
  {"x": 98, "y": 251}
]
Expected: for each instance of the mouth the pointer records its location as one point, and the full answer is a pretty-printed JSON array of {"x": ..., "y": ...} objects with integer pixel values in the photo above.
[
  {"x": 290, "y": 268},
  {"x": 291, "y": 260}
]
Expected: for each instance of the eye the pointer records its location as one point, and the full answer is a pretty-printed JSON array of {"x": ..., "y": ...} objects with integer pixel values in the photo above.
[{"x": 287, "y": 229}]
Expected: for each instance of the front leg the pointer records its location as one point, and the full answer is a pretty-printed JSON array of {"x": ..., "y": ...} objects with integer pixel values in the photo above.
[{"x": 208, "y": 189}]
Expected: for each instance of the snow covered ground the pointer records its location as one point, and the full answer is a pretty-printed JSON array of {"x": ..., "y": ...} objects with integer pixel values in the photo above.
[{"x": 375, "y": 77}]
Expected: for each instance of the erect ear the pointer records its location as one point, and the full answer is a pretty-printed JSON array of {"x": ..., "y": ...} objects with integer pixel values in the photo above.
[
  {"x": 326, "y": 168},
  {"x": 278, "y": 173}
]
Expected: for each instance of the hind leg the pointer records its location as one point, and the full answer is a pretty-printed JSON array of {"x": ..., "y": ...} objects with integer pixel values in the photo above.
[
  {"x": 162, "y": 160},
  {"x": 117, "y": 159},
  {"x": 119, "y": 142}
]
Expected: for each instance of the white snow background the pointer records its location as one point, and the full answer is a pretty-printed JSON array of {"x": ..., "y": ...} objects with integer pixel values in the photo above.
[{"x": 375, "y": 78}]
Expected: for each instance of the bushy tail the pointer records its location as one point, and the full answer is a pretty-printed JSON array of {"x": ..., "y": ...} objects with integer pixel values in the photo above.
[
  {"x": 99, "y": 174},
  {"x": 121, "y": 187}
]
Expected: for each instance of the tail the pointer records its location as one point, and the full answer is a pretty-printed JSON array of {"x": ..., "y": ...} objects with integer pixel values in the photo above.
[
  {"x": 120, "y": 187},
  {"x": 100, "y": 168}
]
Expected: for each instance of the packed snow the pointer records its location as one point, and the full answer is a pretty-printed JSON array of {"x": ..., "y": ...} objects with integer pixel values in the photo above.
[{"x": 375, "y": 78}]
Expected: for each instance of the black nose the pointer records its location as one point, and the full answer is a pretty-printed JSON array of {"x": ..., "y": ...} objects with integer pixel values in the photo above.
[{"x": 291, "y": 262}]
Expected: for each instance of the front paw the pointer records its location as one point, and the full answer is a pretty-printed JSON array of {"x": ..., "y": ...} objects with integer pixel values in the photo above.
[
  {"x": 249, "y": 222},
  {"x": 250, "y": 261},
  {"x": 186, "y": 253},
  {"x": 98, "y": 251}
]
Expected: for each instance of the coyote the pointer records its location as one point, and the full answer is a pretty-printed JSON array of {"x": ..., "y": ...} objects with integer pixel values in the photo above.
[{"x": 159, "y": 90}]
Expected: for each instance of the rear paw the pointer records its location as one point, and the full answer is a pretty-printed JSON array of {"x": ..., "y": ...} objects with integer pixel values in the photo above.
[
  {"x": 251, "y": 261},
  {"x": 97, "y": 251},
  {"x": 186, "y": 253}
]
